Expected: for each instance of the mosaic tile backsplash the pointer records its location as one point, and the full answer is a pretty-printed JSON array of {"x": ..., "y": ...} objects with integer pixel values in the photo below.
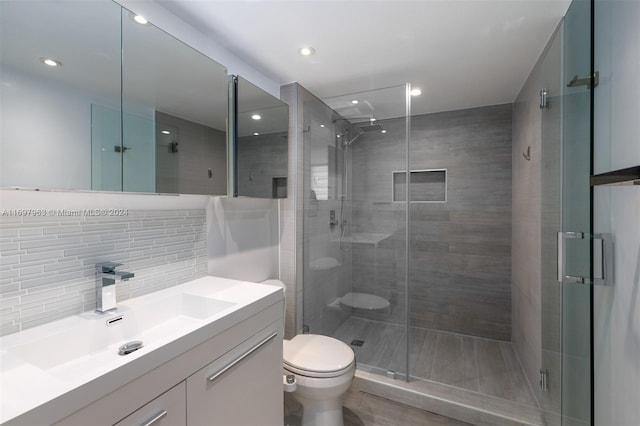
[{"x": 47, "y": 262}]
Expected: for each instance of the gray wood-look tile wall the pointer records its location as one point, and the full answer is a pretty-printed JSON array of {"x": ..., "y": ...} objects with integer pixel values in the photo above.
[
  {"x": 200, "y": 149},
  {"x": 261, "y": 158},
  {"x": 460, "y": 277}
]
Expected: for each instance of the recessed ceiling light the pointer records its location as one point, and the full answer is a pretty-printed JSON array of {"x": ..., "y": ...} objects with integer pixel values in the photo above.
[
  {"x": 383, "y": 131},
  {"x": 140, "y": 19},
  {"x": 166, "y": 132},
  {"x": 355, "y": 101},
  {"x": 51, "y": 62},
  {"x": 307, "y": 51},
  {"x": 322, "y": 125},
  {"x": 416, "y": 92},
  {"x": 338, "y": 135},
  {"x": 256, "y": 134},
  {"x": 256, "y": 116}
]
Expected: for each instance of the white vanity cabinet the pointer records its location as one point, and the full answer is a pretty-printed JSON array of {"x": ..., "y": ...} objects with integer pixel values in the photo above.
[{"x": 233, "y": 378}]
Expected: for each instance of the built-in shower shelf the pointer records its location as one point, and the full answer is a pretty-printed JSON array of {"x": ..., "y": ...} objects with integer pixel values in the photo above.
[
  {"x": 628, "y": 176},
  {"x": 426, "y": 186}
]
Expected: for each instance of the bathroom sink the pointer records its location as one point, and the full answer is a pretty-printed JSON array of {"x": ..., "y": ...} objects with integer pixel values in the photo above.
[
  {"x": 75, "y": 360},
  {"x": 186, "y": 305},
  {"x": 90, "y": 341}
]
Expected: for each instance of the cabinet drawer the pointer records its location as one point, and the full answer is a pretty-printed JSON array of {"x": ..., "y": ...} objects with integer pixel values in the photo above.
[
  {"x": 241, "y": 388},
  {"x": 169, "y": 409}
]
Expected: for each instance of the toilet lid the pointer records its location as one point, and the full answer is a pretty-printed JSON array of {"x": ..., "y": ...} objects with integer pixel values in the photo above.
[{"x": 316, "y": 355}]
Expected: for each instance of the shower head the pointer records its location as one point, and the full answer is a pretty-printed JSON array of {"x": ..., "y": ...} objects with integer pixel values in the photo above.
[
  {"x": 370, "y": 127},
  {"x": 351, "y": 120},
  {"x": 349, "y": 142}
]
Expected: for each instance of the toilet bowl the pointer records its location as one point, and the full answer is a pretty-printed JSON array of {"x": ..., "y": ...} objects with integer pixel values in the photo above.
[{"x": 323, "y": 368}]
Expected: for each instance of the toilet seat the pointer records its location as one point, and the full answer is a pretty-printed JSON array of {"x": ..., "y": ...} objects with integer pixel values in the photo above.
[
  {"x": 317, "y": 374},
  {"x": 318, "y": 356}
]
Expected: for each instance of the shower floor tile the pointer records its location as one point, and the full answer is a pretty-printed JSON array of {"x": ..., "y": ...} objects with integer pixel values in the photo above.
[{"x": 482, "y": 365}]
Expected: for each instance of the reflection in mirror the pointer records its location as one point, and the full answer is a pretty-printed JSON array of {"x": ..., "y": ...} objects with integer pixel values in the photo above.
[
  {"x": 262, "y": 143},
  {"x": 46, "y": 110},
  {"x": 166, "y": 158},
  {"x": 174, "y": 114},
  {"x": 106, "y": 146},
  {"x": 75, "y": 124}
]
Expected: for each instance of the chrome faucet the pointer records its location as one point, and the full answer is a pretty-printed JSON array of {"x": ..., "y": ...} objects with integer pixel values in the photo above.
[{"x": 106, "y": 278}]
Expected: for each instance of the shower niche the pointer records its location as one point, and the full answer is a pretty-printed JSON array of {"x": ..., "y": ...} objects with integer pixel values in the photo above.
[{"x": 425, "y": 186}]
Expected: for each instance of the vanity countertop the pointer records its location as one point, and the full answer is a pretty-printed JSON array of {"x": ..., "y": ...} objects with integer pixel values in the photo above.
[{"x": 76, "y": 358}]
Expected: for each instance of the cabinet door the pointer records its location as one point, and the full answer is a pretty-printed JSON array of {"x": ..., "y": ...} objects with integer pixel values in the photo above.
[
  {"x": 169, "y": 409},
  {"x": 243, "y": 387}
]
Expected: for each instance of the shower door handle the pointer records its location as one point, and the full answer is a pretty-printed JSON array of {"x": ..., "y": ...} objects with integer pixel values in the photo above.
[{"x": 602, "y": 258}]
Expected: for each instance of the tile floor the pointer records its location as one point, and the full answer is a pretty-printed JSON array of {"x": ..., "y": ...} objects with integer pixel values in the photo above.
[
  {"x": 481, "y": 365},
  {"x": 363, "y": 409}
]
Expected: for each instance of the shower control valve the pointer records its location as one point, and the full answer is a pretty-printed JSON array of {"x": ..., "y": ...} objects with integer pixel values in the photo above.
[{"x": 332, "y": 219}]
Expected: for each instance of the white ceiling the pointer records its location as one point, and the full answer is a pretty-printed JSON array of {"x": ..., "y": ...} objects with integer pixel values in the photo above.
[{"x": 460, "y": 53}]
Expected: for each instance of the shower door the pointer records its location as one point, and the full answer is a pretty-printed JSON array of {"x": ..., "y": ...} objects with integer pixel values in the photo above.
[
  {"x": 576, "y": 216},
  {"x": 567, "y": 295},
  {"x": 551, "y": 290},
  {"x": 355, "y": 224}
]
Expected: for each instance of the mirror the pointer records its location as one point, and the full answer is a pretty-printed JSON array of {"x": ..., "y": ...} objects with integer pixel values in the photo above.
[
  {"x": 262, "y": 142},
  {"x": 46, "y": 110},
  {"x": 174, "y": 114},
  {"x": 79, "y": 125}
]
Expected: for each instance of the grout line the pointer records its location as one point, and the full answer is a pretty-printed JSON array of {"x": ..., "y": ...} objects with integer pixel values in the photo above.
[
  {"x": 435, "y": 354},
  {"x": 526, "y": 377}
]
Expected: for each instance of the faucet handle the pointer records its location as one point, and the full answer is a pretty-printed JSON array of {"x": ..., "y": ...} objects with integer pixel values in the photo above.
[{"x": 107, "y": 267}]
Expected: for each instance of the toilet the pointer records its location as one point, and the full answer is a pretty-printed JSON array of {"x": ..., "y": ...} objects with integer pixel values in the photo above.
[{"x": 322, "y": 368}]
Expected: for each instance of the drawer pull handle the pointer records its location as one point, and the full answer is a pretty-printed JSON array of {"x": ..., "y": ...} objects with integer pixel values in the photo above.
[
  {"x": 155, "y": 418},
  {"x": 232, "y": 364}
]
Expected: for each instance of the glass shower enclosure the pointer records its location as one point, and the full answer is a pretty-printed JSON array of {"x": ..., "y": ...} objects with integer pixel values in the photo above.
[
  {"x": 407, "y": 240},
  {"x": 355, "y": 224}
]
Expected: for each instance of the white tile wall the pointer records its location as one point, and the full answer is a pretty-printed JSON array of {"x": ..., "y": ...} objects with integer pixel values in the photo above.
[
  {"x": 243, "y": 238},
  {"x": 47, "y": 263}
]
